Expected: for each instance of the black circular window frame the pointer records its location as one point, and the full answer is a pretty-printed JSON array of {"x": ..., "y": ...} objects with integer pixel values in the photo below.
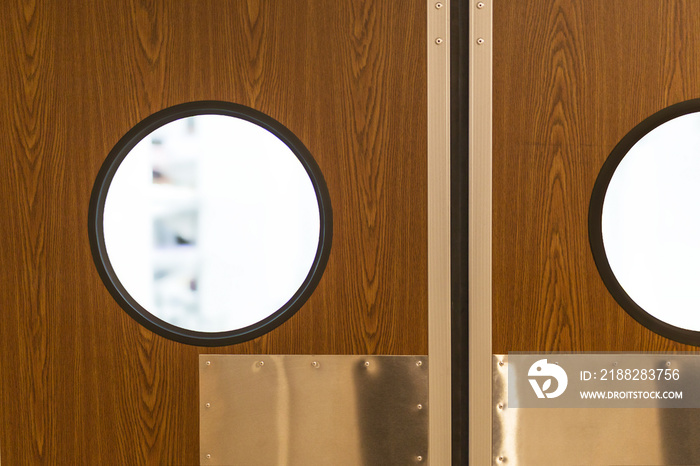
[
  {"x": 595, "y": 215},
  {"x": 96, "y": 232}
]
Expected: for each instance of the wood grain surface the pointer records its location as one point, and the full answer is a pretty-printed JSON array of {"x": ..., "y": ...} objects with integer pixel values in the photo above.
[
  {"x": 81, "y": 382},
  {"x": 571, "y": 78}
]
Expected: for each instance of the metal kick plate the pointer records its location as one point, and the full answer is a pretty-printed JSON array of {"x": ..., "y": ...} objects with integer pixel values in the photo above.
[
  {"x": 589, "y": 436},
  {"x": 313, "y": 410}
]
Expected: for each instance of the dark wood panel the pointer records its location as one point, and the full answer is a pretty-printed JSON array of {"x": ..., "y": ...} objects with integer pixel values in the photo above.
[
  {"x": 571, "y": 78},
  {"x": 82, "y": 382}
]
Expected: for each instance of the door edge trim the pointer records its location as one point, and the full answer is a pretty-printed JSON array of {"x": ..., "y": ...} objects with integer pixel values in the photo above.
[
  {"x": 480, "y": 217},
  {"x": 439, "y": 254}
]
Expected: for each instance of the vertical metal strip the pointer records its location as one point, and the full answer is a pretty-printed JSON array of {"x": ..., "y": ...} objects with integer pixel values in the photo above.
[
  {"x": 439, "y": 310},
  {"x": 480, "y": 345}
]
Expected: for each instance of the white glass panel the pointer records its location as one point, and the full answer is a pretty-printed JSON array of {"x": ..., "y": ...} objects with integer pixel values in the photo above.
[
  {"x": 211, "y": 223},
  {"x": 651, "y": 222}
]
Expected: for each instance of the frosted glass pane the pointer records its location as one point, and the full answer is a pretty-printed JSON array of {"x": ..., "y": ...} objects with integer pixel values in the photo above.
[
  {"x": 651, "y": 222},
  {"x": 211, "y": 223}
]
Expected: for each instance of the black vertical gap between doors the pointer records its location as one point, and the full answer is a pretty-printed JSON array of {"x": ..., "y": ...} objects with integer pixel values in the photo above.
[{"x": 459, "y": 163}]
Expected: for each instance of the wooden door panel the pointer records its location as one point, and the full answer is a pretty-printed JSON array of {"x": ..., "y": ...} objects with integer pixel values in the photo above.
[
  {"x": 571, "y": 78},
  {"x": 81, "y": 381}
]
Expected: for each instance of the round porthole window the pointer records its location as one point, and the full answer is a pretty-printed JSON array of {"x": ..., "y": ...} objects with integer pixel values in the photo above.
[
  {"x": 210, "y": 223},
  {"x": 644, "y": 222}
]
